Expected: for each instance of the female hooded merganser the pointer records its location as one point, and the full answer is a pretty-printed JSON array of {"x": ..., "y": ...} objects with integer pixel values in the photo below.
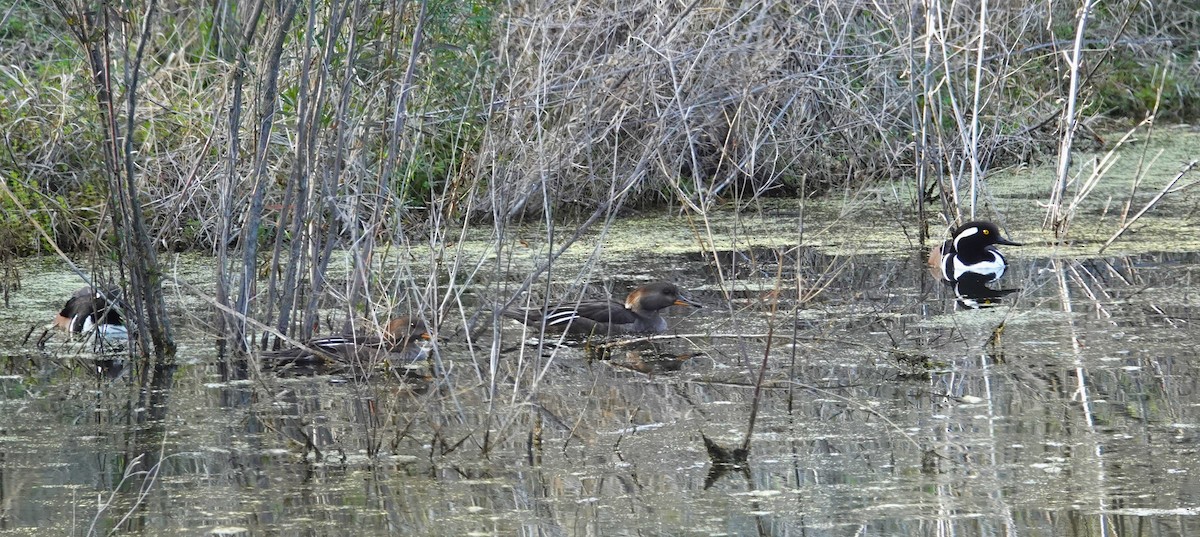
[
  {"x": 972, "y": 252},
  {"x": 90, "y": 310},
  {"x": 638, "y": 314},
  {"x": 398, "y": 342}
]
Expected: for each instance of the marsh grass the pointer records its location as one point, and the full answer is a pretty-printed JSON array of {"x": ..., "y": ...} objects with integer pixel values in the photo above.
[{"x": 336, "y": 159}]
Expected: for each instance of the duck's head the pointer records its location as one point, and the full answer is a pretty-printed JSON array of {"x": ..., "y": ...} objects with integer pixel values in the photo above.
[
  {"x": 657, "y": 296},
  {"x": 403, "y": 329},
  {"x": 978, "y": 234}
]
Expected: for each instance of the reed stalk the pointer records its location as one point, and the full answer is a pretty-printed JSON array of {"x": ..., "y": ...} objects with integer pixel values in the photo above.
[{"x": 1056, "y": 218}]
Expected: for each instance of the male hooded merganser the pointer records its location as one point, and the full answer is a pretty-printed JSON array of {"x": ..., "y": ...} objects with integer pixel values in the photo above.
[
  {"x": 638, "y": 314},
  {"x": 972, "y": 251},
  {"x": 90, "y": 310},
  {"x": 398, "y": 342}
]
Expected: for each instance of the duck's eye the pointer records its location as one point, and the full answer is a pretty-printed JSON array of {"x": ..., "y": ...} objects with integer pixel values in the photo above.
[{"x": 987, "y": 232}]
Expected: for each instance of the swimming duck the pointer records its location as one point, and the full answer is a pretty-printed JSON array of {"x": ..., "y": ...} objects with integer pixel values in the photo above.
[
  {"x": 638, "y": 314},
  {"x": 972, "y": 250},
  {"x": 90, "y": 310},
  {"x": 398, "y": 342}
]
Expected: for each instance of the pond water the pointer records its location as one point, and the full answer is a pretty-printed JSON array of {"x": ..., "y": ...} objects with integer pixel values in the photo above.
[{"x": 888, "y": 407}]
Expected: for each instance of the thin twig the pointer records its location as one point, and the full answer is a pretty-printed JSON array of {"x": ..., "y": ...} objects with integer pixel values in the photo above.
[{"x": 1150, "y": 204}]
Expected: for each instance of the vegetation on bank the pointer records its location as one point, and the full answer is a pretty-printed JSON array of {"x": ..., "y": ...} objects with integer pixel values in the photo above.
[
  {"x": 270, "y": 133},
  {"x": 502, "y": 111}
]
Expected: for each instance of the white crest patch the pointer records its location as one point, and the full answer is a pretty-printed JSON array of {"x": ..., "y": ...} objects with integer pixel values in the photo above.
[{"x": 964, "y": 234}]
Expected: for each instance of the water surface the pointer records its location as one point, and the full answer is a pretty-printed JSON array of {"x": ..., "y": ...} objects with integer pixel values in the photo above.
[{"x": 888, "y": 406}]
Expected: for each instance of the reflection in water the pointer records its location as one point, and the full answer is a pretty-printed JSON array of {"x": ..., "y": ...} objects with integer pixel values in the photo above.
[
  {"x": 644, "y": 356},
  {"x": 886, "y": 410},
  {"x": 725, "y": 460},
  {"x": 972, "y": 291}
]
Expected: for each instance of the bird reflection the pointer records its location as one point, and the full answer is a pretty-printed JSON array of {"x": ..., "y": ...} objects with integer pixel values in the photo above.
[
  {"x": 641, "y": 356},
  {"x": 972, "y": 291}
]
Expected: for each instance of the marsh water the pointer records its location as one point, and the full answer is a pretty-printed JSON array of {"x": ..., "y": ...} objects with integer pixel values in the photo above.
[{"x": 889, "y": 406}]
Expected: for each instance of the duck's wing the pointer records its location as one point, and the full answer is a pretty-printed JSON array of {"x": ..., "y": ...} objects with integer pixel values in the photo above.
[
  {"x": 327, "y": 350},
  {"x": 301, "y": 356},
  {"x": 599, "y": 311}
]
